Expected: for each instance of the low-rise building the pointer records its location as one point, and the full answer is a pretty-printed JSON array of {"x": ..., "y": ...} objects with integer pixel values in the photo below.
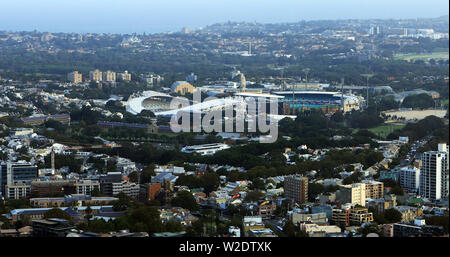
[
  {"x": 80, "y": 200},
  {"x": 317, "y": 218},
  {"x": 409, "y": 213},
  {"x": 315, "y": 230}
]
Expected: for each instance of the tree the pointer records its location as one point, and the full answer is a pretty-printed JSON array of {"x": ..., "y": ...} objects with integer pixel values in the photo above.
[
  {"x": 173, "y": 226},
  {"x": 397, "y": 190},
  {"x": 147, "y": 173},
  {"x": 210, "y": 181},
  {"x": 392, "y": 215},
  {"x": 134, "y": 177},
  {"x": 438, "y": 221},
  {"x": 96, "y": 193},
  {"x": 57, "y": 213},
  {"x": 253, "y": 196},
  {"x": 370, "y": 228},
  {"x": 289, "y": 229},
  {"x": 186, "y": 200},
  {"x": 123, "y": 203}
]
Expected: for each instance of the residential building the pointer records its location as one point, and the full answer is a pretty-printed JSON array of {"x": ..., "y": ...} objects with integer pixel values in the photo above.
[
  {"x": 359, "y": 216},
  {"x": 374, "y": 189},
  {"x": 434, "y": 174},
  {"x": 354, "y": 194},
  {"x": 409, "y": 213},
  {"x": 296, "y": 188},
  {"x": 348, "y": 215},
  {"x": 409, "y": 179},
  {"x": 182, "y": 87},
  {"x": 75, "y": 77},
  {"x": 109, "y": 76},
  {"x": 341, "y": 216},
  {"x": 124, "y": 76},
  {"x": 382, "y": 204},
  {"x": 95, "y": 75},
  {"x": 266, "y": 209}
]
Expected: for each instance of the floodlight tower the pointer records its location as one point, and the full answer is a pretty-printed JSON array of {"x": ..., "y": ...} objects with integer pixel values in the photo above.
[
  {"x": 367, "y": 76},
  {"x": 306, "y": 71}
]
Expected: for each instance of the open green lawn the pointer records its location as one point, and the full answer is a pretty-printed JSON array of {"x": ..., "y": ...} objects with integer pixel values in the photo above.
[
  {"x": 385, "y": 129},
  {"x": 424, "y": 57}
]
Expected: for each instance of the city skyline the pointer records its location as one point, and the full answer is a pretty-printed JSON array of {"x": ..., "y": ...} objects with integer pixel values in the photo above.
[{"x": 137, "y": 16}]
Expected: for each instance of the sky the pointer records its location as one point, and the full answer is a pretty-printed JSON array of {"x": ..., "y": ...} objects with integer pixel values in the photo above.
[{"x": 154, "y": 16}]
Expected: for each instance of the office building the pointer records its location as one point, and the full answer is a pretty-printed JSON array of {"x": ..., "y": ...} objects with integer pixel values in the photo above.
[
  {"x": 18, "y": 190},
  {"x": 52, "y": 187},
  {"x": 128, "y": 188},
  {"x": 434, "y": 174},
  {"x": 405, "y": 230},
  {"x": 149, "y": 191},
  {"x": 317, "y": 218},
  {"x": 75, "y": 77},
  {"x": 12, "y": 172},
  {"x": 51, "y": 228},
  {"x": 85, "y": 187},
  {"x": 296, "y": 188},
  {"x": 106, "y": 182}
]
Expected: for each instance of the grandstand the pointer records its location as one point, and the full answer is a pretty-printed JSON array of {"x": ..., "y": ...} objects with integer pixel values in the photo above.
[{"x": 328, "y": 102}]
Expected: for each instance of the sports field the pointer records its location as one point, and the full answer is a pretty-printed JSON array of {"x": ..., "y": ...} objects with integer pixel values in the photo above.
[
  {"x": 424, "y": 57},
  {"x": 416, "y": 114},
  {"x": 385, "y": 129}
]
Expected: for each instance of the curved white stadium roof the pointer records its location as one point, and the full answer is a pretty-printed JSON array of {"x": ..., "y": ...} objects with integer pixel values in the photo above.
[{"x": 134, "y": 104}]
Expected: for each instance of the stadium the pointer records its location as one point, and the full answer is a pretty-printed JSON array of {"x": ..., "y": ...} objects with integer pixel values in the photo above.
[
  {"x": 328, "y": 102},
  {"x": 149, "y": 100}
]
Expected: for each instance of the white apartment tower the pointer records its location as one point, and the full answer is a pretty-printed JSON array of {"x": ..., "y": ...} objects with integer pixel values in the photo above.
[
  {"x": 434, "y": 174},
  {"x": 409, "y": 179},
  {"x": 109, "y": 76},
  {"x": 95, "y": 75}
]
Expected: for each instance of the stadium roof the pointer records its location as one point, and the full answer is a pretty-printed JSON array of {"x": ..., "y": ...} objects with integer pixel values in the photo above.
[{"x": 305, "y": 92}]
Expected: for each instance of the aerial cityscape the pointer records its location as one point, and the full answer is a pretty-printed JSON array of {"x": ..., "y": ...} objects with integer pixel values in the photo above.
[{"x": 312, "y": 128}]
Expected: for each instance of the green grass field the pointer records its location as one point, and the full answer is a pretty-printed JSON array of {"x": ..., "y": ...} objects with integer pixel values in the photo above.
[
  {"x": 386, "y": 129},
  {"x": 424, "y": 57}
]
